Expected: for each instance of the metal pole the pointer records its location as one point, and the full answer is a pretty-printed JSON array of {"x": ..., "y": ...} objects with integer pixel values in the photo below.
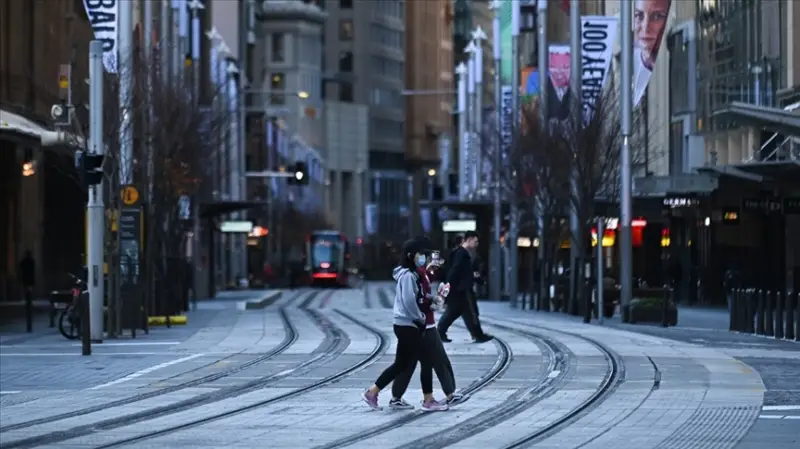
[
  {"x": 513, "y": 250},
  {"x": 95, "y": 206},
  {"x": 175, "y": 45},
  {"x": 497, "y": 221},
  {"x": 470, "y": 118},
  {"x": 195, "y": 6},
  {"x": 600, "y": 232},
  {"x": 125, "y": 61},
  {"x": 543, "y": 57},
  {"x": 184, "y": 46},
  {"x": 241, "y": 103},
  {"x": 576, "y": 228},
  {"x": 626, "y": 250},
  {"x": 478, "y": 37},
  {"x": 461, "y": 73},
  {"x": 163, "y": 46}
]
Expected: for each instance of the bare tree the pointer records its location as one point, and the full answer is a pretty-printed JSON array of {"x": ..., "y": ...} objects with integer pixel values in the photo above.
[
  {"x": 595, "y": 142},
  {"x": 176, "y": 142}
]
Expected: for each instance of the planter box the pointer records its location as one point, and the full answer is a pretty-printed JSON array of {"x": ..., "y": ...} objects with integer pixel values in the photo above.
[{"x": 650, "y": 311}]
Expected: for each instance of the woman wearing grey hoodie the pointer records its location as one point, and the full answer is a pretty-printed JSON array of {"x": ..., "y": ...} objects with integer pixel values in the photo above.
[{"x": 409, "y": 328}]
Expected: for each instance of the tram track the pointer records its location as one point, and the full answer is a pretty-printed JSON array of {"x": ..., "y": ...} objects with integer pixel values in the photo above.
[
  {"x": 500, "y": 366},
  {"x": 333, "y": 345},
  {"x": 290, "y": 337},
  {"x": 380, "y": 348},
  {"x": 615, "y": 376},
  {"x": 523, "y": 398}
]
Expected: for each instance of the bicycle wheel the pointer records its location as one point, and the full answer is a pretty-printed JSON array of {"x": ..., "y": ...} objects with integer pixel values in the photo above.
[{"x": 68, "y": 325}]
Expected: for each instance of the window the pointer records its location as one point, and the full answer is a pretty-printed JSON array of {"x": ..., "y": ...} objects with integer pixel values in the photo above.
[
  {"x": 346, "y": 30},
  {"x": 387, "y": 67},
  {"x": 346, "y": 92},
  {"x": 384, "y": 35},
  {"x": 278, "y": 88},
  {"x": 346, "y": 4},
  {"x": 387, "y": 129},
  {"x": 346, "y": 62},
  {"x": 389, "y": 8},
  {"x": 382, "y": 96},
  {"x": 278, "y": 47}
]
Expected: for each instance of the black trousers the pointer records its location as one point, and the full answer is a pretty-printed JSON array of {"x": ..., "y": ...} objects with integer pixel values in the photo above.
[
  {"x": 433, "y": 357},
  {"x": 409, "y": 345},
  {"x": 461, "y": 305}
]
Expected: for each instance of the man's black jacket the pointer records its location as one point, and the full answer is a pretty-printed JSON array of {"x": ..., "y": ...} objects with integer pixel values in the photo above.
[{"x": 460, "y": 273}]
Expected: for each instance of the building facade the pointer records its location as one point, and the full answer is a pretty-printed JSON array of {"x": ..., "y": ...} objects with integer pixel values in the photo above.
[{"x": 42, "y": 210}]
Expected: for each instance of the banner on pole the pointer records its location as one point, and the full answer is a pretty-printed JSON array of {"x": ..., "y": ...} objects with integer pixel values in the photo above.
[
  {"x": 649, "y": 23},
  {"x": 598, "y": 34},
  {"x": 104, "y": 18}
]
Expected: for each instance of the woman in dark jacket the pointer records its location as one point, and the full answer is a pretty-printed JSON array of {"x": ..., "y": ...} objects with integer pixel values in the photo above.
[{"x": 433, "y": 356}]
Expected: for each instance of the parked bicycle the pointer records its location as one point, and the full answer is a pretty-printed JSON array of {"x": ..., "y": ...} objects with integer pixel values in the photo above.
[{"x": 69, "y": 320}]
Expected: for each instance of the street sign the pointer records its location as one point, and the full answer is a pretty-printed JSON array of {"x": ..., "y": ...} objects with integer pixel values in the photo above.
[{"x": 130, "y": 195}]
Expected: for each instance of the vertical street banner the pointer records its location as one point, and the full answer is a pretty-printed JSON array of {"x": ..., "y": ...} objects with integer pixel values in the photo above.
[
  {"x": 598, "y": 35},
  {"x": 649, "y": 23},
  {"x": 559, "y": 92},
  {"x": 104, "y": 19}
]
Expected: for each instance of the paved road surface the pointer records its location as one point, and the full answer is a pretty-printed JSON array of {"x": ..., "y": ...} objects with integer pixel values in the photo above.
[{"x": 290, "y": 376}]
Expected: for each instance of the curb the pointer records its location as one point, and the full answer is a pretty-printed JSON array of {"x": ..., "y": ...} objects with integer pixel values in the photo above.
[{"x": 259, "y": 304}]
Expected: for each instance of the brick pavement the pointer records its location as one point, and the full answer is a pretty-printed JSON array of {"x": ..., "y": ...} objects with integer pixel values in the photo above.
[{"x": 706, "y": 397}]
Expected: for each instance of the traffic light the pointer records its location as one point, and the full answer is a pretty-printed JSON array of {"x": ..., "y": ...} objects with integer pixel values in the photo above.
[
  {"x": 300, "y": 173},
  {"x": 91, "y": 167}
]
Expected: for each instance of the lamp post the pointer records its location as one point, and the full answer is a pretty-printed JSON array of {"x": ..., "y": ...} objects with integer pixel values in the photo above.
[
  {"x": 463, "y": 117},
  {"x": 513, "y": 228},
  {"x": 470, "y": 118},
  {"x": 544, "y": 60},
  {"x": 478, "y": 36},
  {"x": 626, "y": 238},
  {"x": 497, "y": 157},
  {"x": 194, "y": 7}
]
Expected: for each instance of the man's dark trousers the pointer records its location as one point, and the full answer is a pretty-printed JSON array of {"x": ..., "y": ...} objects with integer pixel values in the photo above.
[{"x": 460, "y": 305}]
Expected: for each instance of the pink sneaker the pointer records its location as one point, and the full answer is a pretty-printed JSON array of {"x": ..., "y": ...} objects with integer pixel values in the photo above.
[
  {"x": 434, "y": 406},
  {"x": 371, "y": 399}
]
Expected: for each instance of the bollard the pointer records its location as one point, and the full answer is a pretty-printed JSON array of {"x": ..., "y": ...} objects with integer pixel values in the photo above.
[
  {"x": 749, "y": 310},
  {"x": 760, "y": 318},
  {"x": 587, "y": 309},
  {"x": 665, "y": 307},
  {"x": 738, "y": 308},
  {"x": 769, "y": 315},
  {"x": 732, "y": 307},
  {"x": 796, "y": 315},
  {"x": 29, "y": 309},
  {"x": 778, "y": 314},
  {"x": 790, "y": 299},
  {"x": 85, "y": 324}
]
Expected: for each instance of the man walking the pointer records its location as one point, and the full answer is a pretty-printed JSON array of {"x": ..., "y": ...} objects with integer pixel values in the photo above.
[{"x": 461, "y": 278}]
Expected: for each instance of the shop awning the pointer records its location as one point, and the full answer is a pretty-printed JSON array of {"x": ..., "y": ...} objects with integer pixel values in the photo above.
[
  {"x": 784, "y": 121},
  {"x": 19, "y": 125}
]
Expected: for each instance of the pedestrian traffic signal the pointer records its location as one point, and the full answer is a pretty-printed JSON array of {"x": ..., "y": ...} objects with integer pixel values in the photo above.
[{"x": 92, "y": 168}]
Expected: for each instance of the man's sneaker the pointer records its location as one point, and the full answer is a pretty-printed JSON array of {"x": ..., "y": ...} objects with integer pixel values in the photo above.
[
  {"x": 400, "y": 404},
  {"x": 434, "y": 406},
  {"x": 457, "y": 398},
  {"x": 444, "y": 338},
  {"x": 484, "y": 338},
  {"x": 371, "y": 399}
]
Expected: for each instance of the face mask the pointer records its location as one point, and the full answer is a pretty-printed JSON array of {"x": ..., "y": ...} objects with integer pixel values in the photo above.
[{"x": 420, "y": 260}]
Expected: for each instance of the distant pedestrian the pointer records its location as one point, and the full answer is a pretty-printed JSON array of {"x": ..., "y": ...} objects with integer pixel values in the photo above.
[
  {"x": 409, "y": 328},
  {"x": 460, "y": 301},
  {"x": 27, "y": 272},
  {"x": 433, "y": 356}
]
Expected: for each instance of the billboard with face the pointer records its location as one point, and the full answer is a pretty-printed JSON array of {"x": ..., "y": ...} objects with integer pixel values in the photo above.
[{"x": 649, "y": 23}]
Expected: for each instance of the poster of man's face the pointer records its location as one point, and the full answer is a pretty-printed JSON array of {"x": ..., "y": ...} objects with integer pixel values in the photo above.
[
  {"x": 559, "y": 68},
  {"x": 649, "y": 22}
]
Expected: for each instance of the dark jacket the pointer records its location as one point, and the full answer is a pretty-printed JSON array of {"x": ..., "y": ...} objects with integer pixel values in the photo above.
[{"x": 459, "y": 275}]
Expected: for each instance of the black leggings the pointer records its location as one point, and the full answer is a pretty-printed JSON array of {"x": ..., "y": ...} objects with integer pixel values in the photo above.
[
  {"x": 409, "y": 343},
  {"x": 433, "y": 357}
]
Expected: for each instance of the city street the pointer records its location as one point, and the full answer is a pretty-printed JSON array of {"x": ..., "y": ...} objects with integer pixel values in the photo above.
[{"x": 290, "y": 375}]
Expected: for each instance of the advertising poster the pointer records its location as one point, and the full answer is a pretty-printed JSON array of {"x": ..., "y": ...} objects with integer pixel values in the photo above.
[
  {"x": 649, "y": 23},
  {"x": 598, "y": 34}
]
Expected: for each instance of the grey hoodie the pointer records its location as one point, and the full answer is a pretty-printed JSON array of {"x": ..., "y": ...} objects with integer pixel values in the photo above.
[{"x": 406, "y": 309}]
